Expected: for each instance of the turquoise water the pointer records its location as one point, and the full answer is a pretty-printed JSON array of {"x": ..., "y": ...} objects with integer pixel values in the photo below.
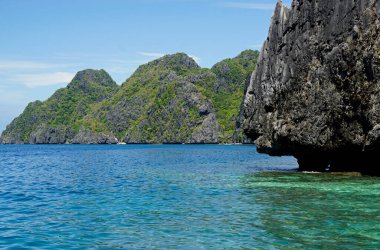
[{"x": 178, "y": 197}]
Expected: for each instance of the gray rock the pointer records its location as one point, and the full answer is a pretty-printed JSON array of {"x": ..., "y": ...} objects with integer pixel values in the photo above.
[
  {"x": 83, "y": 79},
  {"x": 172, "y": 76},
  {"x": 8, "y": 139},
  {"x": 85, "y": 136},
  {"x": 48, "y": 135},
  {"x": 239, "y": 135},
  {"x": 315, "y": 91},
  {"x": 188, "y": 117},
  {"x": 208, "y": 132}
]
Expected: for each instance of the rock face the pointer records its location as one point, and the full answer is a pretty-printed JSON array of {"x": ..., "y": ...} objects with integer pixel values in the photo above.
[
  {"x": 169, "y": 100},
  {"x": 85, "y": 136},
  {"x": 172, "y": 100},
  {"x": 315, "y": 93}
]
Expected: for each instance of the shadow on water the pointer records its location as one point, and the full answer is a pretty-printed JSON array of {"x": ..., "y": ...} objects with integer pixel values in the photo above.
[{"x": 316, "y": 211}]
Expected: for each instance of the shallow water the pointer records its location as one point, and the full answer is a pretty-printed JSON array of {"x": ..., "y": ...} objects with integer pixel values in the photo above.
[{"x": 178, "y": 197}]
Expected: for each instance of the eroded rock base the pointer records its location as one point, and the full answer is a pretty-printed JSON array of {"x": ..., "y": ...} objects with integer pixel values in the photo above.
[{"x": 349, "y": 161}]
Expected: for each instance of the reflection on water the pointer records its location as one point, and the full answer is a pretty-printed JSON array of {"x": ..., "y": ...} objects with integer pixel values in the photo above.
[{"x": 178, "y": 197}]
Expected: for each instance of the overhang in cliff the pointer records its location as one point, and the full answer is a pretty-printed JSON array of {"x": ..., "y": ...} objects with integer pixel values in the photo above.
[{"x": 315, "y": 93}]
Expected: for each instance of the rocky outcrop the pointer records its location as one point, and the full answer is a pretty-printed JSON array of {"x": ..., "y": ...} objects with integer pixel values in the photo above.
[
  {"x": 7, "y": 139},
  {"x": 207, "y": 132},
  {"x": 85, "y": 78},
  {"x": 49, "y": 135},
  {"x": 315, "y": 93},
  {"x": 63, "y": 135},
  {"x": 239, "y": 135},
  {"x": 178, "y": 113},
  {"x": 85, "y": 136}
]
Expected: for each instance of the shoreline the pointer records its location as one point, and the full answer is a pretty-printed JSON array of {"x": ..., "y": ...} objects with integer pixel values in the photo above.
[{"x": 223, "y": 144}]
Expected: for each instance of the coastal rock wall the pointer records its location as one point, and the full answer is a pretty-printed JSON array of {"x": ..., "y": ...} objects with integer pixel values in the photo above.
[{"x": 315, "y": 93}]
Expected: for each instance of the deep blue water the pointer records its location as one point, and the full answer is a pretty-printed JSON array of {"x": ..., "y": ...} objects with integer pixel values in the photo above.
[{"x": 178, "y": 197}]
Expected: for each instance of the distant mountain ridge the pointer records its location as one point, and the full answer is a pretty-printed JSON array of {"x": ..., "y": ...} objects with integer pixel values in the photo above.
[{"x": 169, "y": 100}]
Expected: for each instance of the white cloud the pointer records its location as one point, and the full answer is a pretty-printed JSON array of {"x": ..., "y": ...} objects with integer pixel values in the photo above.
[
  {"x": 40, "y": 80},
  {"x": 250, "y": 6},
  {"x": 151, "y": 54},
  {"x": 196, "y": 58}
]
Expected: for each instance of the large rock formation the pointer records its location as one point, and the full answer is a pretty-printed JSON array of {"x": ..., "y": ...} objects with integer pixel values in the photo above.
[
  {"x": 173, "y": 100},
  {"x": 315, "y": 93},
  {"x": 169, "y": 100}
]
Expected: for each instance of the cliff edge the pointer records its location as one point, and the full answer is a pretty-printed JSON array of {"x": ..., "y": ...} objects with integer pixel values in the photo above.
[{"x": 315, "y": 93}]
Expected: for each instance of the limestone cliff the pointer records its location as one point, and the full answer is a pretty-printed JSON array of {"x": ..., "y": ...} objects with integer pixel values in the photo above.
[
  {"x": 315, "y": 93},
  {"x": 169, "y": 100}
]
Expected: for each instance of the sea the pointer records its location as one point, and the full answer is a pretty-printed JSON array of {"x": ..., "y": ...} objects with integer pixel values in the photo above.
[{"x": 178, "y": 197}]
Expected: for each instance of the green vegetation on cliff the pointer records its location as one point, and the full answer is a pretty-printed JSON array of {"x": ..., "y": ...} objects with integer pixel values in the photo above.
[
  {"x": 168, "y": 100},
  {"x": 60, "y": 117}
]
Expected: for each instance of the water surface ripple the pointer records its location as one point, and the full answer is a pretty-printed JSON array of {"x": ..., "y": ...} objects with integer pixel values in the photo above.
[{"x": 178, "y": 197}]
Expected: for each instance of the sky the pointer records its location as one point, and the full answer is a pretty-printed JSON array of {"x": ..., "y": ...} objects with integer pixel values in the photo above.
[{"x": 43, "y": 43}]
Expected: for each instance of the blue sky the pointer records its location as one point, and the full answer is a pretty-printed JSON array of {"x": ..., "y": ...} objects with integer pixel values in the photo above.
[{"x": 45, "y": 42}]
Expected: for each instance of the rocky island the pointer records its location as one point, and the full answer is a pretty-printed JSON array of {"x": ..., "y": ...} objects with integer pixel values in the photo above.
[
  {"x": 169, "y": 100},
  {"x": 315, "y": 93}
]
